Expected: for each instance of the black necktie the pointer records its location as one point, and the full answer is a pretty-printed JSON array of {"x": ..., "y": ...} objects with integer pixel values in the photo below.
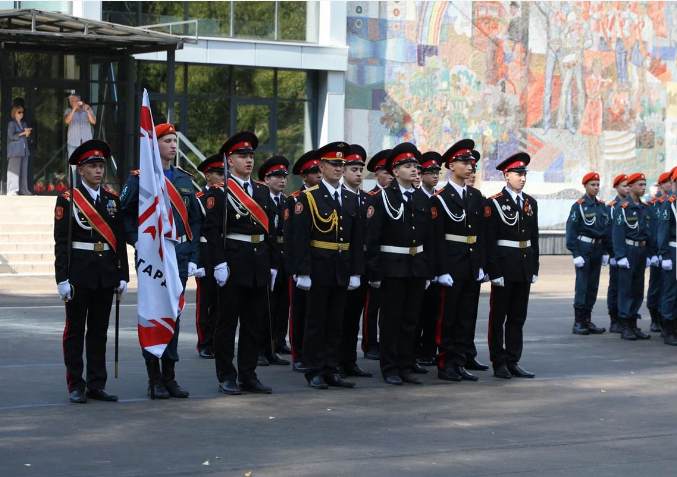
[
  {"x": 277, "y": 202},
  {"x": 519, "y": 202},
  {"x": 96, "y": 202},
  {"x": 336, "y": 199},
  {"x": 410, "y": 198}
]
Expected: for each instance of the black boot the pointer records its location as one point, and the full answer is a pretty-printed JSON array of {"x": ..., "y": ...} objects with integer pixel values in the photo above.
[
  {"x": 638, "y": 333},
  {"x": 615, "y": 325},
  {"x": 156, "y": 389},
  {"x": 579, "y": 323},
  {"x": 594, "y": 329},
  {"x": 669, "y": 332},
  {"x": 626, "y": 330},
  {"x": 655, "y": 320},
  {"x": 168, "y": 379}
]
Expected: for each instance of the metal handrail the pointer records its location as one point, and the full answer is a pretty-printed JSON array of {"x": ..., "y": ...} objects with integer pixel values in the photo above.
[
  {"x": 171, "y": 24},
  {"x": 184, "y": 140}
]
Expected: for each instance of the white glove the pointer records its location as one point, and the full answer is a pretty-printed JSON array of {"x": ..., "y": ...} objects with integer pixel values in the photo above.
[
  {"x": 427, "y": 284},
  {"x": 486, "y": 278},
  {"x": 273, "y": 276},
  {"x": 64, "y": 289},
  {"x": 579, "y": 262},
  {"x": 445, "y": 280},
  {"x": 122, "y": 289},
  {"x": 534, "y": 279},
  {"x": 499, "y": 282},
  {"x": 192, "y": 268},
  {"x": 605, "y": 260},
  {"x": 654, "y": 261},
  {"x": 221, "y": 274},
  {"x": 376, "y": 284},
  {"x": 294, "y": 278},
  {"x": 612, "y": 262},
  {"x": 303, "y": 282},
  {"x": 354, "y": 283},
  {"x": 666, "y": 264},
  {"x": 480, "y": 276},
  {"x": 434, "y": 280},
  {"x": 200, "y": 273},
  {"x": 623, "y": 263},
  {"x": 648, "y": 262}
]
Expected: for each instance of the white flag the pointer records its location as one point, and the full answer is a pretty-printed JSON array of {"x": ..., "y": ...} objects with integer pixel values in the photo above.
[{"x": 160, "y": 292}]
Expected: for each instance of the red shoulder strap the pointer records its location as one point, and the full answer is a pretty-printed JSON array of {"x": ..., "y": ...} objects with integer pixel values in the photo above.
[
  {"x": 250, "y": 204},
  {"x": 94, "y": 218},
  {"x": 180, "y": 207}
]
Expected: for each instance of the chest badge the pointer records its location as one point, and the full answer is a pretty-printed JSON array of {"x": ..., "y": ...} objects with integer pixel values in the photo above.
[{"x": 111, "y": 207}]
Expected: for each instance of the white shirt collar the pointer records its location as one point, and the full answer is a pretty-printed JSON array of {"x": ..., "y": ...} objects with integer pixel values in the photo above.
[
  {"x": 92, "y": 192},
  {"x": 403, "y": 190},
  {"x": 333, "y": 190},
  {"x": 458, "y": 188},
  {"x": 241, "y": 182},
  {"x": 273, "y": 196},
  {"x": 426, "y": 192},
  {"x": 514, "y": 194}
]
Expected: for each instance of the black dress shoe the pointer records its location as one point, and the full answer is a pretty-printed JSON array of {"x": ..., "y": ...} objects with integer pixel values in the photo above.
[
  {"x": 300, "y": 367},
  {"x": 372, "y": 353},
  {"x": 465, "y": 375},
  {"x": 336, "y": 381},
  {"x": 255, "y": 386},
  {"x": 174, "y": 389},
  {"x": 475, "y": 365},
  {"x": 393, "y": 380},
  {"x": 78, "y": 397},
  {"x": 418, "y": 369},
  {"x": 580, "y": 329},
  {"x": 101, "y": 395},
  {"x": 262, "y": 361},
  {"x": 518, "y": 372},
  {"x": 206, "y": 353},
  {"x": 282, "y": 349},
  {"x": 317, "y": 382},
  {"x": 274, "y": 359},
  {"x": 501, "y": 371},
  {"x": 409, "y": 379},
  {"x": 230, "y": 387},
  {"x": 425, "y": 361},
  {"x": 355, "y": 370},
  {"x": 448, "y": 375}
]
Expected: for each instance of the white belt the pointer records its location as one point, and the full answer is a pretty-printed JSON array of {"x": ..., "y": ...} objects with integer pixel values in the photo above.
[
  {"x": 514, "y": 243},
  {"x": 246, "y": 238},
  {"x": 183, "y": 238},
  {"x": 636, "y": 243},
  {"x": 673, "y": 244},
  {"x": 402, "y": 250},
  {"x": 93, "y": 247},
  {"x": 203, "y": 240},
  {"x": 585, "y": 239},
  {"x": 470, "y": 239}
]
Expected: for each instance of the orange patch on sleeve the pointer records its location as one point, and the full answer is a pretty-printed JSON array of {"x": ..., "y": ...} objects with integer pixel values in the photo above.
[
  {"x": 58, "y": 213},
  {"x": 487, "y": 211},
  {"x": 210, "y": 202},
  {"x": 434, "y": 212}
]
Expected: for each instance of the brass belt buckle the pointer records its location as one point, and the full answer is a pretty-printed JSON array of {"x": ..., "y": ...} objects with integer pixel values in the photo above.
[
  {"x": 641, "y": 243},
  {"x": 280, "y": 239},
  {"x": 523, "y": 244},
  {"x": 413, "y": 250},
  {"x": 98, "y": 247},
  {"x": 256, "y": 238},
  {"x": 471, "y": 239}
]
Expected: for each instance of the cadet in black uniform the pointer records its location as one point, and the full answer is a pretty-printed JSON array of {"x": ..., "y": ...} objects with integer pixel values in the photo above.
[
  {"x": 512, "y": 264},
  {"x": 458, "y": 223},
  {"x": 207, "y": 310},
  {"x": 245, "y": 264},
  {"x": 370, "y": 323},
  {"x": 328, "y": 261},
  {"x": 273, "y": 173},
  {"x": 90, "y": 272},
  {"x": 399, "y": 249},
  {"x": 308, "y": 167}
]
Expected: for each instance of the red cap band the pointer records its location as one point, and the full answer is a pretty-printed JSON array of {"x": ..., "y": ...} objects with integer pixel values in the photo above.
[
  {"x": 332, "y": 156},
  {"x": 381, "y": 163},
  {"x": 276, "y": 167},
  {"x": 462, "y": 152},
  {"x": 513, "y": 165},
  {"x": 89, "y": 154},
  {"x": 354, "y": 157},
  {"x": 402, "y": 157},
  {"x": 309, "y": 164},
  {"x": 240, "y": 145},
  {"x": 431, "y": 162},
  {"x": 214, "y": 165}
]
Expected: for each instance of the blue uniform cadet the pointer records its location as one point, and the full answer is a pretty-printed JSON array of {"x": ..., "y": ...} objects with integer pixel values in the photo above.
[
  {"x": 586, "y": 240},
  {"x": 666, "y": 247},
  {"x": 631, "y": 241},
  {"x": 612, "y": 290},
  {"x": 187, "y": 217}
]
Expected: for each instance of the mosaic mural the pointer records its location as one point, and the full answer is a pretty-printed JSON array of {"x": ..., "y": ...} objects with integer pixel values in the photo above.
[{"x": 578, "y": 85}]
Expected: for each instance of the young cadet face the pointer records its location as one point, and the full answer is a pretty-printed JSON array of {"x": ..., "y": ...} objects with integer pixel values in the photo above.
[
  {"x": 516, "y": 180},
  {"x": 638, "y": 188},
  {"x": 406, "y": 172},
  {"x": 311, "y": 179},
  {"x": 623, "y": 189},
  {"x": 331, "y": 172},
  {"x": 417, "y": 181},
  {"x": 214, "y": 178},
  {"x": 383, "y": 178},
  {"x": 242, "y": 163},
  {"x": 461, "y": 169},
  {"x": 666, "y": 187},
  {"x": 276, "y": 183},
  {"x": 430, "y": 179},
  {"x": 168, "y": 145},
  {"x": 592, "y": 188},
  {"x": 92, "y": 172},
  {"x": 470, "y": 181},
  {"x": 352, "y": 175}
]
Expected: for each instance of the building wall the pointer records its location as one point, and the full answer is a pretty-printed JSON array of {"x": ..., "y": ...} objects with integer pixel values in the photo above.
[{"x": 435, "y": 72}]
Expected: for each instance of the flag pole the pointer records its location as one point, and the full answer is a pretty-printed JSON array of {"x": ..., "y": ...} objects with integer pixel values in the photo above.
[
  {"x": 117, "y": 330},
  {"x": 225, "y": 200}
]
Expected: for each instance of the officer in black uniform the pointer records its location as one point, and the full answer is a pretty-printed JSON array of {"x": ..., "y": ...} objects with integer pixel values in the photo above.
[
  {"x": 586, "y": 234},
  {"x": 91, "y": 271},
  {"x": 245, "y": 264},
  {"x": 401, "y": 262},
  {"x": 207, "y": 310},
  {"x": 274, "y": 173},
  {"x": 308, "y": 167},
  {"x": 329, "y": 259},
  {"x": 667, "y": 245},
  {"x": 512, "y": 264},
  {"x": 370, "y": 323}
]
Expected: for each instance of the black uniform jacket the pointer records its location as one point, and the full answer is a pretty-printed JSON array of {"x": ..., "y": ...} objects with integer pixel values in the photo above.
[
  {"x": 203, "y": 261},
  {"x": 89, "y": 268},
  {"x": 288, "y": 230},
  {"x": 513, "y": 264},
  {"x": 278, "y": 224}
]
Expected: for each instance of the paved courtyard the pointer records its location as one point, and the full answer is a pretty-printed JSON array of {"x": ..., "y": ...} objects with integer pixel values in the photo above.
[{"x": 599, "y": 406}]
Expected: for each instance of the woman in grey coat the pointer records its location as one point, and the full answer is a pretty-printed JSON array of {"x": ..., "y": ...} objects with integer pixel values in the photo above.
[{"x": 17, "y": 154}]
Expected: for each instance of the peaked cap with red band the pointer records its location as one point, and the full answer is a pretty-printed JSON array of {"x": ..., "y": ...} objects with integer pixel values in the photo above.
[
  {"x": 94, "y": 150},
  {"x": 637, "y": 176},
  {"x": 620, "y": 178},
  {"x": 515, "y": 163},
  {"x": 334, "y": 153},
  {"x": 461, "y": 151},
  {"x": 213, "y": 163},
  {"x": 164, "y": 129},
  {"x": 664, "y": 177},
  {"x": 308, "y": 162},
  {"x": 242, "y": 142},
  {"x": 590, "y": 176},
  {"x": 275, "y": 166},
  {"x": 378, "y": 161},
  {"x": 357, "y": 156},
  {"x": 402, "y": 154},
  {"x": 673, "y": 174},
  {"x": 476, "y": 155},
  {"x": 430, "y": 161}
]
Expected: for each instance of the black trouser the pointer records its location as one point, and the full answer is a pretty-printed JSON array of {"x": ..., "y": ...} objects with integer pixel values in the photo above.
[
  {"x": 171, "y": 352},
  {"x": 351, "y": 325},
  {"x": 322, "y": 337},
  {"x": 276, "y": 311},
  {"x": 425, "y": 345},
  {"x": 246, "y": 305},
  {"x": 371, "y": 318},
  {"x": 91, "y": 307},
  {"x": 508, "y": 308},
  {"x": 456, "y": 325},
  {"x": 207, "y": 311},
  {"x": 297, "y": 320},
  {"x": 471, "y": 353},
  {"x": 400, "y": 304}
]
